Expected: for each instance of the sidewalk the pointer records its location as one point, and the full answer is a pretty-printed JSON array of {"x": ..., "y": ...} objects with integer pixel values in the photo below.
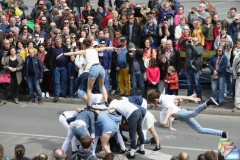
[{"x": 226, "y": 109}]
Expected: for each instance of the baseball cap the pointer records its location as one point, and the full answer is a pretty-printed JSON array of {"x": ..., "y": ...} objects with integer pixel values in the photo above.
[
  {"x": 95, "y": 43},
  {"x": 237, "y": 16},
  {"x": 48, "y": 36},
  {"x": 123, "y": 39},
  {"x": 131, "y": 47}
]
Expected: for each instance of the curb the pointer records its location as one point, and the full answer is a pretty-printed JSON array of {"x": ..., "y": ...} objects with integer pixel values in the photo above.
[{"x": 210, "y": 110}]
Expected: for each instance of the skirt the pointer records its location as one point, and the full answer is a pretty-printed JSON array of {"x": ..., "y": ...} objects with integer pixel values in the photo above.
[{"x": 148, "y": 121}]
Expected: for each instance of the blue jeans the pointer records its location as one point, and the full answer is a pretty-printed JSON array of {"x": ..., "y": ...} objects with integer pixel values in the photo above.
[
  {"x": 193, "y": 77},
  {"x": 146, "y": 141},
  {"x": 60, "y": 80},
  {"x": 171, "y": 92},
  {"x": 137, "y": 78},
  {"x": 106, "y": 81},
  {"x": 71, "y": 87},
  {"x": 218, "y": 88},
  {"x": 33, "y": 83},
  {"x": 135, "y": 126},
  {"x": 229, "y": 87},
  {"x": 79, "y": 131},
  {"x": 187, "y": 116}
]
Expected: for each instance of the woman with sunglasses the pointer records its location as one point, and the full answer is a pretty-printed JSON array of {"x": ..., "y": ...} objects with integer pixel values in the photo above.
[
  {"x": 218, "y": 65},
  {"x": 96, "y": 70},
  {"x": 73, "y": 38},
  {"x": 24, "y": 32}
]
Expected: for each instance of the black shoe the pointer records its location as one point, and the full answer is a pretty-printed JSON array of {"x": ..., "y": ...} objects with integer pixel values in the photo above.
[
  {"x": 124, "y": 138},
  {"x": 123, "y": 151},
  {"x": 141, "y": 152},
  {"x": 88, "y": 107},
  {"x": 157, "y": 148},
  {"x": 224, "y": 134},
  {"x": 220, "y": 105},
  {"x": 130, "y": 157},
  {"x": 211, "y": 101},
  {"x": 152, "y": 141},
  {"x": 107, "y": 104},
  {"x": 56, "y": 98},
  {"x": 74, "y": 152},
  {"x": 64, "y": 96}
]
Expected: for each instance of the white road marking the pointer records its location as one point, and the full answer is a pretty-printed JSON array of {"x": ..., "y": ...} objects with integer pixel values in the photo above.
[{"x": 59, "y": 137}]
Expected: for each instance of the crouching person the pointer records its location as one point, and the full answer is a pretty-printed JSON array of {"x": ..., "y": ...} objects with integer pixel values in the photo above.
[{"x": 33, "y": 74}]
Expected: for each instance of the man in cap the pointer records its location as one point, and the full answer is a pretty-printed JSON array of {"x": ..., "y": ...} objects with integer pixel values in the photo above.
[
  {"x": 108, "y": 16},
  {"x": 150, "y": 30},
  {"x": 234, "y": 29},
  {"x": 123, "y": 68},
  {"x": 136, "y": 69}
]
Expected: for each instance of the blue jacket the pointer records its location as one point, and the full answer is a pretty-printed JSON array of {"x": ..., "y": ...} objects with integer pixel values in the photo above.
[
  {"x": 71, "y": 70},
  {"x": 154, "y": 29},
  {"x": 223, "y": 63},
  {"x": 122, "y": 58},
  {"x": 164, "y": 13},
  {"x": 106, "y": 40},
  {"x": 137, "y": 101},
  {"x": 106, "y": 59},
  {"x": 37, "y": 66},
  {"x": 233, "y": 32},
  {"x": 87, "y": 117}
]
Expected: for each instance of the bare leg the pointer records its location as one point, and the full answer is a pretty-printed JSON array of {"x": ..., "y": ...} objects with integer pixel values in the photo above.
[
  {"x": 85, "y": 99},
  {"x": 105, "y": 139},
  {"x": 104, "y": 91},
  {"x": 89, "y": 91},
  {"x": 155, "y": 135}
]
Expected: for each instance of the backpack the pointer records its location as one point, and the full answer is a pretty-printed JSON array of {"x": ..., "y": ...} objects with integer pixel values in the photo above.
[{"x": 87, "y": 158}]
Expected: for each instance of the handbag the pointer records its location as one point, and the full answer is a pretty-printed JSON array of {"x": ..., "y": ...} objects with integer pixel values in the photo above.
[
  {"x": 5, "y": 78},
  {"x": 18, "y": 12}
]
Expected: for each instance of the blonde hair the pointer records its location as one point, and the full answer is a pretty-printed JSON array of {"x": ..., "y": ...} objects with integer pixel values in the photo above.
[
  {"x": 55, "y": 11},
  {"x": 210, "y": 4},
  {"x": 171, "y": 68},
  {"x": 43, "y": 156}
]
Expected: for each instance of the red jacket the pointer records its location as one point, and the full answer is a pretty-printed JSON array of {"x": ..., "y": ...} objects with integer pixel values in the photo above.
[
  {"x": 153, "y": 74},
  {"x": 105, "y": 20},
  {"x": 215, "y": 32},
  {"x": 173, "y": 81}
]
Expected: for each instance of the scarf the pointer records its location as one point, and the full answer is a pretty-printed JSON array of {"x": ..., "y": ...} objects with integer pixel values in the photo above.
[
  {"x": 41, "y": 56},
  {"x": 182, "y": 27}
]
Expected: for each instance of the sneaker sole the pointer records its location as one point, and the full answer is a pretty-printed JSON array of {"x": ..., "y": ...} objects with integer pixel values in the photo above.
[{"x": 214, "y": 101}]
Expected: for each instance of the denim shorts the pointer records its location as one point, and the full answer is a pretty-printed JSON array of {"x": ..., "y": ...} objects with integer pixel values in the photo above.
[
  {"x": 81, "y": 93},
  {"x": 96, "y": 71}
]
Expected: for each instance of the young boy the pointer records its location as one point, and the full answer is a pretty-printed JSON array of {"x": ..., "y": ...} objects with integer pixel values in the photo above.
[{"x": 84, "y": 152}]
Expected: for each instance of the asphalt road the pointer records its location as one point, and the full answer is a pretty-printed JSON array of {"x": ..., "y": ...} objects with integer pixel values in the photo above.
[{"x": 37, "y": 127}]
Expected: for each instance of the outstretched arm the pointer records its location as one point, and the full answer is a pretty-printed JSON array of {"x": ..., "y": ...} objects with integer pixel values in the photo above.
[
  {"x": 169, "y": 111},
  {"x": 104, "y": 48},
  {"x": 190, "y": 98},
  {"x": 71, "y": 53}
]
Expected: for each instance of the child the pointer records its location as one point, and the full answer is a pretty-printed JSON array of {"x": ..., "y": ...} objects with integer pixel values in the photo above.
[
  {"x": 197, "y": 32},
  {"x": 217, "y": 29},
  {"x": 207, "y": 30},
  {"x": 153, "y": 74},
  {"x": 186, "y": 34},
  {"x": 163, "y": 66},
  {"x": 171, "y": 81},
  {"x": 73, "y": 74},
  {"x": 84, "y": 152}
]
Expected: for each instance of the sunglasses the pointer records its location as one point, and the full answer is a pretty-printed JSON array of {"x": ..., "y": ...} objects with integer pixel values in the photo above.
[
  {"x": 102, "y": 43},
  {"x": 65, "y": 22},
  {"x": 73, "y": 37},
  {"x": 58, "y": 33},
  {"x": 153, "y": 12},
  {"x": 219, "y": 50},
  {"x": 130, "y": 18},
  {"x": 93, "y": 28},
  {"x": 85, "y": 28},
  {"x": 41, "y": 4}
]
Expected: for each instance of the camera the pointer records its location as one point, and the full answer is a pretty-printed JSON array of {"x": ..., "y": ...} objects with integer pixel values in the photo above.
[
  {"x": 189, "y": 41},
  {"x": 192, "y": 11}
]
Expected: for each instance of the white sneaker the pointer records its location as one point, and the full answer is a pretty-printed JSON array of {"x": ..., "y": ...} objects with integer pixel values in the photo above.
[
  {"x": 43, "y": 94},
  {"x": 47, "y": 94},
  {"x": 113, "y": 91}
]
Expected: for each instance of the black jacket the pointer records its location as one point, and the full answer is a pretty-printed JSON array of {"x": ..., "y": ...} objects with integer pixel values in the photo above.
[
  {"x": 45, "y": 28},
  {"x": 163, "y": 69},
  {"x": 101, "y": 3},
  {"x": 85, "y": 13},
  {"x": 136, "y": 33},
  {"x": 49, "y": 60},
  {"x": 139, "y": 56},
  {"x": 174, "y": 59}
]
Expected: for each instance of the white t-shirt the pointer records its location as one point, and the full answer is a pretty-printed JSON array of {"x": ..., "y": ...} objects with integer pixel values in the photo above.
[
  {"x": 91, "y": 57},
  {"x": 69, "y": 114},
  {"x": 123, "y": 106},
  {"x": 168, "y": 101},
  {"x": 97, "y": 98}
]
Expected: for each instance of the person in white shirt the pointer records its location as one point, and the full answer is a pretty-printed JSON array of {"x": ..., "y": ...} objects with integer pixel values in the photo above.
[
  {"x": 96, "y": 70},
  {"x": 170, "y": 109}
]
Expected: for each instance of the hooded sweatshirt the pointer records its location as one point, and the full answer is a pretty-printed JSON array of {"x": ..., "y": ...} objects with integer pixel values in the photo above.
[{"x": 84, "y": 154}]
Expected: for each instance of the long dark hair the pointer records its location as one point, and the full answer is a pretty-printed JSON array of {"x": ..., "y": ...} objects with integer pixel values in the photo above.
[{"x": 19, "y": 151}]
